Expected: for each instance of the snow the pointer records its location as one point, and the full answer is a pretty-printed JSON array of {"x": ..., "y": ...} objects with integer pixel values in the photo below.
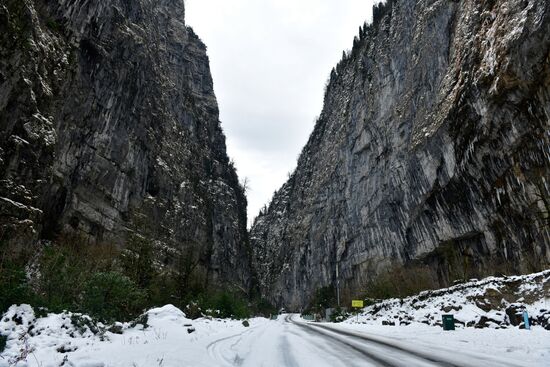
[
  {"x": 513, "y": 346},
  {"x": 18, "y": 205},
  {"x": 165, "y": 342},
  {"x": 471, "y": 303},
  {"x": 162, "y": 164},
  {"x": 166, "y": 337},
  {"x": 54, "y": 341}
]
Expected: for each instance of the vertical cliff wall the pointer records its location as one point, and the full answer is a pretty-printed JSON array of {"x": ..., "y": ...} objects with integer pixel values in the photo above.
[
  {"x": 432, "y": 153},
  {"x": 109, "y": 128}
]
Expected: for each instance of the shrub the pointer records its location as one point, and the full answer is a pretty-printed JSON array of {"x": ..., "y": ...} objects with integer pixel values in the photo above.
[
  {"x": 110, "y": 285},
  {"x": 193, "y": 310},
  {"x": 65, "y": 268},
  {"x": 264, "y": 308},
  {"x": 339, "y": 315},
  {"x": 14, "y": 288},
  {"x": 61, "y": 278},
  {"x": 401, "y": 282},
  {"x": 83, "y": 323},
  {"x": 112, "y": 296},
  {"x": 163, "y": 290},
  {"x": 230, "y": 305},
  {"x": 325, "y": 297},
  {"x": 137, "y": 261},
  {"x": 224, "y": 304}
]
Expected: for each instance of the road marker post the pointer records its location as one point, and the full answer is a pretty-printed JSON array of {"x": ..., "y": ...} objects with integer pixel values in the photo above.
[
  {"x": 357, "y": 304},
  {"x": 526, "y": 321}
]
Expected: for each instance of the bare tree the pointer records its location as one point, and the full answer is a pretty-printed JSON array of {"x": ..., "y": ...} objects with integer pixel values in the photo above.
[{"x": 245, "y": 185}]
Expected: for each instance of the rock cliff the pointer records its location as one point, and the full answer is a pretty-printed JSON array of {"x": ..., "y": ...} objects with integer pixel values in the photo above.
[
  {"x": 431, "y": 154},
  {"x": 109, "y": 128}
]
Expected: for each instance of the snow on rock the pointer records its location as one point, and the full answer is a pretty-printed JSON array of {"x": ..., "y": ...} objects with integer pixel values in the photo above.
[
  {"x": 29, "y": 336},
  {"x": 401, "y": 167},
  {"x": 168, "y": 313},
  {"x": 490, "y": 303},
  {"x": 44, "y": 142}
]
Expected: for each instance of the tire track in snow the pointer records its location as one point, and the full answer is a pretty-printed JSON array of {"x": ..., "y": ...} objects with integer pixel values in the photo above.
[
  {"x": 285, "y": 350},
  {"x": 324, "y": 345},
  {"x": 384, "y": 361},
  {"x": 377, "y": 361},
  {"x": 214, "y": 349},
  {"x": 389, "y": 354}
]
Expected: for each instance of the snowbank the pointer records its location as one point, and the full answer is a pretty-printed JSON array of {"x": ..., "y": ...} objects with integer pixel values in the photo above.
[
  {"x": 162, "y": 337},
  {"x": 490, "y": 303}
]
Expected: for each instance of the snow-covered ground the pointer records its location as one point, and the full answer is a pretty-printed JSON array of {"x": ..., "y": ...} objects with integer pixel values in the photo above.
[
  {"x": 172, "y": 340},
  {"x": 55, "y": 341},
  {"x": 494, "y": 302},
  {"x": 515, "y": 346}
]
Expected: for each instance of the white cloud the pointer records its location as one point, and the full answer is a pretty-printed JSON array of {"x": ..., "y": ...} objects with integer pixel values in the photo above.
[{"x": 270, "y": 60}]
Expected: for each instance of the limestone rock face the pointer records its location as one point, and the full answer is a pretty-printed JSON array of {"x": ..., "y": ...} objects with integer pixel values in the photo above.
[
  {"x": 432, "y": 150},
  {"x": 109, "y": 127}
]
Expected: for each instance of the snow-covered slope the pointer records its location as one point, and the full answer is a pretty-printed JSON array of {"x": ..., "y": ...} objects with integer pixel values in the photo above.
[
  {"x": 169, "y": 339},
  {"x": 492, "y": 302}
]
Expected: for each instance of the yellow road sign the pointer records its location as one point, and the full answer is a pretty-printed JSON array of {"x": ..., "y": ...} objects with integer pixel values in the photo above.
[{"x": 357, "y": 304}]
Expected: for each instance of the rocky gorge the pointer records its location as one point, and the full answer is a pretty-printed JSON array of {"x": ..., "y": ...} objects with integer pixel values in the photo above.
[{"x": 429, "y": 162}]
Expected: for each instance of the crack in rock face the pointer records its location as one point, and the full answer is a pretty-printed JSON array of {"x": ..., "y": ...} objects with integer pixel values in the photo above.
[{"x": 429, "y": 162}]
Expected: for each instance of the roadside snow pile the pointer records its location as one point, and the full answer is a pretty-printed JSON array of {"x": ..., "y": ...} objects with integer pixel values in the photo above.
[
  {"x": 160, "y": 337},
  {"x": 490, "y": 303},
  {"x": 57, "y": 333}
]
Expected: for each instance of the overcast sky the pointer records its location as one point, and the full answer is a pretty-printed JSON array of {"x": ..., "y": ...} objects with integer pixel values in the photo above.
[{"x": 270, "y": 60}]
